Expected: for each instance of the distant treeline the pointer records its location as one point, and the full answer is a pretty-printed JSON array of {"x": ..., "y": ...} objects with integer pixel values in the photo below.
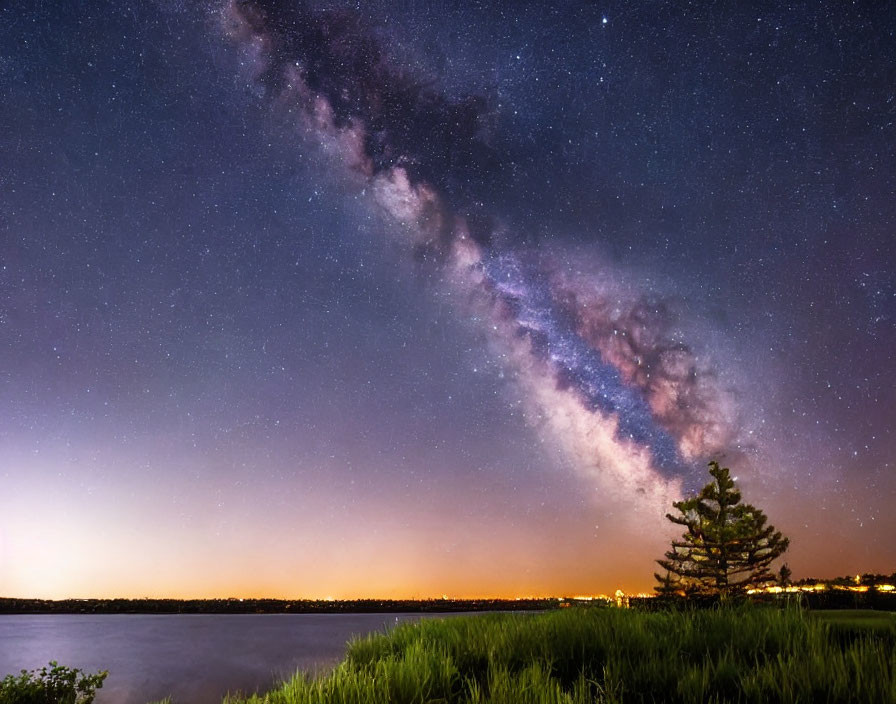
[
  {"x": 835, "y": 599},
  {"x": 264, "y": 606},
  {"x": 869, "y": 579}
]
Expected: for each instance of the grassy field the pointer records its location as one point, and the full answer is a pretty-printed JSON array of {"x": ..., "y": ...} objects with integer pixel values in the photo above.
[
  {"x": 861, "y": 619},
  {"x": 611, "y": 655}
]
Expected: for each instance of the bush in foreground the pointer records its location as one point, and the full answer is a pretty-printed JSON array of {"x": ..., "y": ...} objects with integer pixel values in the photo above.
[
  {"x": 54, "y": 684},
  {"x": 608, "y": 656}
]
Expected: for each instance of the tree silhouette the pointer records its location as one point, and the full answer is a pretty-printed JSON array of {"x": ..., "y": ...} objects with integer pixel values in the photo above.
[
  {"x": 784, "y": 575},
  {"x": 727, "y": 546}
]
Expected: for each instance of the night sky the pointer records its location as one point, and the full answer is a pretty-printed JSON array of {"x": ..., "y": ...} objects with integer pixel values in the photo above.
[{"x": 406, "y": 298}]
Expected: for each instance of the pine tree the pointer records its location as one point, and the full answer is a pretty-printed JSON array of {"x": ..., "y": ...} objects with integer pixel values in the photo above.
[
  {"x": 668, "y": 586},
  {"x": 727, "y": 547}
]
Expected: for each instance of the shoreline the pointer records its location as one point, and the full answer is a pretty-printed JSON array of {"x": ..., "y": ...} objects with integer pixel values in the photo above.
[{"x": 12, "y": 606}]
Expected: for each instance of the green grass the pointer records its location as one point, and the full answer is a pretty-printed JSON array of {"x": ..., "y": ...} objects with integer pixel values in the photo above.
[
  {"x": 848, "y": 625},
  {"x": 858, "y": 618},
  {"x": 612, "y": 655}
]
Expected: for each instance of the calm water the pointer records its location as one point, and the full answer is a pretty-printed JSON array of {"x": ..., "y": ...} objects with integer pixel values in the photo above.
[{"x": 195, "y": 659}]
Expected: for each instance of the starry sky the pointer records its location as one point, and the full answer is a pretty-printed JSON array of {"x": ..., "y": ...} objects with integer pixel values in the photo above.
[{"x": 406, "y": 298}]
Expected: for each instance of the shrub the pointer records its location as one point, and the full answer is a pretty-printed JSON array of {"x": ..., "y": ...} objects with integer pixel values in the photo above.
[{"x": 53, "y": 684}]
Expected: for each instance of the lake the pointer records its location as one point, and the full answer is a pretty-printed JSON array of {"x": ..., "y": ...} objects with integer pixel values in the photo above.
[{"x": 194, "y": 658}]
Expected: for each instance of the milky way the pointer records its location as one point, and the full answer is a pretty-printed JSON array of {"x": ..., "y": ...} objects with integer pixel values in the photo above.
[{"x": 632, "y": 406}]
